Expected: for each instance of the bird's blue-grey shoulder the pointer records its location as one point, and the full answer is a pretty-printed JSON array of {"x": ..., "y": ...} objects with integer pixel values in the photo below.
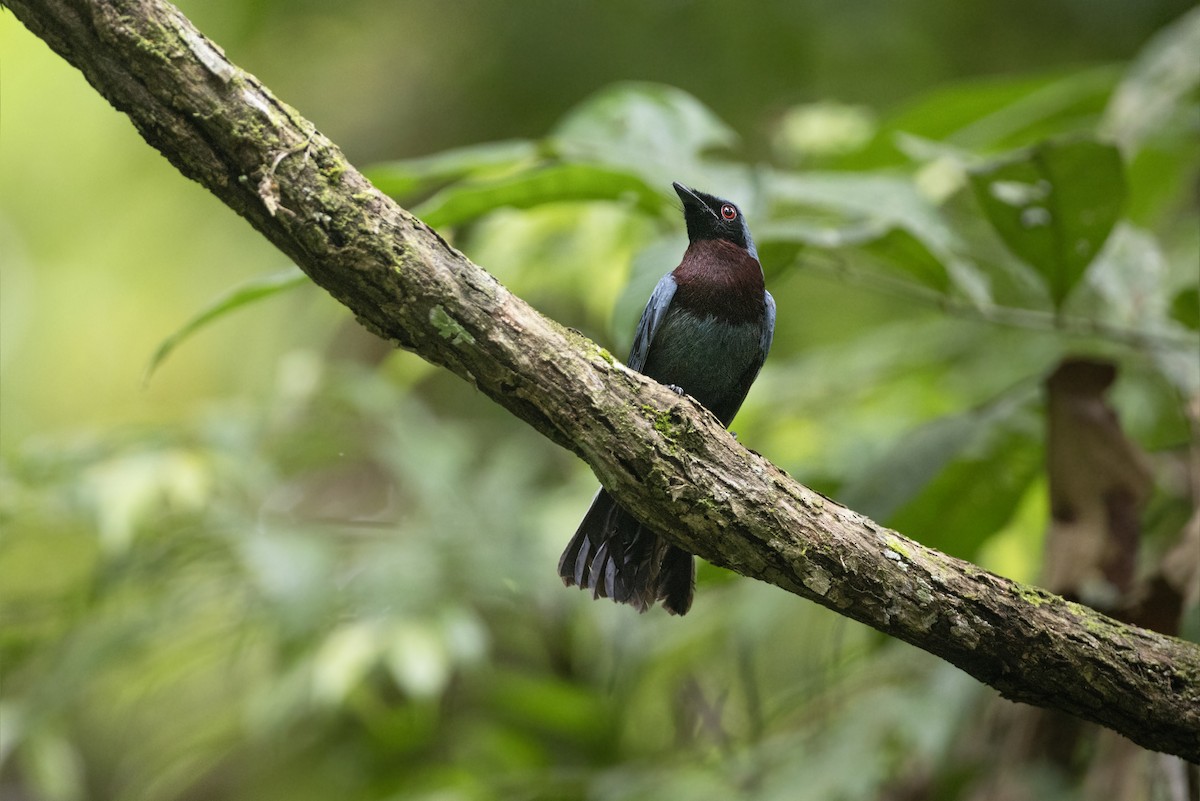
[
  {"x": 652, "y": 317},
  {"x": 768, "y": 332}
]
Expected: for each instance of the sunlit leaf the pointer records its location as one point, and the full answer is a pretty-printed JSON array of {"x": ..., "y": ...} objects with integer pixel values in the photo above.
[
  {"x": 1054, "y": 206},
  {"x": 657, "y": 131},
  {"x": 251, "y": 291},
  {"x": 468, "y": 201},
  {"x": 1155, "y": 88},
  {"x": 826, "y": 128}
]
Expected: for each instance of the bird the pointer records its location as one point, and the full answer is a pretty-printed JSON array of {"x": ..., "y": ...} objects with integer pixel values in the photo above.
[{"x": 706, "y": 332}]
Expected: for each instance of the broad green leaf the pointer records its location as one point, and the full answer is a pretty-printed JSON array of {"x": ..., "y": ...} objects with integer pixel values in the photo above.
[
  {"x": 467, "y": 201},
  {"x": 991, "y": 113},
  {"x": 659, "y": 132},
  {"x": 1054, "y": 206},
  {"x": 943, "y": 111},
  {"x": 249, "y": 292},
  {"x": 401, "y": 178},
  {"x": 1066, "y": 105},
  {"x": 884, "y": 214}
]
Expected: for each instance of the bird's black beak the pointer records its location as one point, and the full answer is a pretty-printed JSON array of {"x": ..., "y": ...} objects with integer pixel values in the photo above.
[{"x": 692, "y": 204}]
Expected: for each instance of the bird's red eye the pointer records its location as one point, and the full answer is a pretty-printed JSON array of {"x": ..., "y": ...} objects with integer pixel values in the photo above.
[{"x": 729, "y": 212}]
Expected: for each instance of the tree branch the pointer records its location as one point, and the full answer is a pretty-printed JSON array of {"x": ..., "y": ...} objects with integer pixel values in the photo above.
[{"x": 661, "y": 455}]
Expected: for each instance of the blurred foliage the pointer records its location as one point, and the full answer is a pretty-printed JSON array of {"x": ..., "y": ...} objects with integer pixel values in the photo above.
[{"x": 337, "y": 581}]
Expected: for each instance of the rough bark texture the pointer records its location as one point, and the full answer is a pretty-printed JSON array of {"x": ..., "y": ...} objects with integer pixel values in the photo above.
[{"x": 661, "y": 455}]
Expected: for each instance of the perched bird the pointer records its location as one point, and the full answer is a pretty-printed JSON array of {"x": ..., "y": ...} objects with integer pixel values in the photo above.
[{"x": 706, "y": 331}]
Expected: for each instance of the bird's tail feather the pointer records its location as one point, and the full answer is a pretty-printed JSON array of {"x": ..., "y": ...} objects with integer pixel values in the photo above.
[
  {"x": 616, "y": 557},
  {"x": 676, "y": 580}
]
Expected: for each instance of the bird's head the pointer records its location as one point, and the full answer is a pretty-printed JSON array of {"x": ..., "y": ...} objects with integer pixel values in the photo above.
[{"x": 710, "y": 217}]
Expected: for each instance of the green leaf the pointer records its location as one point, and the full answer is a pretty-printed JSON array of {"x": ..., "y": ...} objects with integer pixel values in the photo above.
[
  {"x": 1054, "y": 206},
  {"x": 893, "y": 247},
  {"x": 249, "y": 292},
  {"x": 994, "y": 114},
  {"x": 470, "y": 200},
  {"x": 885, "y": 215},
  {"x": 1067, "y": 104},
  {"x": 902, "y": 251},
  {"x": 657, "y": 131},
  {"x": 1185, "y": 308},
  {"x": 401, "y": 178}
]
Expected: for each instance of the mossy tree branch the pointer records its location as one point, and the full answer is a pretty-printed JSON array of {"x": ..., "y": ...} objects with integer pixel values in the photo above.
[{"x": 662, "y": 456}]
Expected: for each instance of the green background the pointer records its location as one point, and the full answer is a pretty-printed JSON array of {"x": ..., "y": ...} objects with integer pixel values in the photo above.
[{"x": 293, "y": 564}]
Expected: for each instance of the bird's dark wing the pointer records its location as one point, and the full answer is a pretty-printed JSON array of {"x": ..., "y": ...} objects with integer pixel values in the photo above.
[{"x": 652, "y": 317}]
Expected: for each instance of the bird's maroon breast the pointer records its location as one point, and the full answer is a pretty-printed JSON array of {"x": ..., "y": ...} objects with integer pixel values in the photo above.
[{"x": 719, "y": 279}]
